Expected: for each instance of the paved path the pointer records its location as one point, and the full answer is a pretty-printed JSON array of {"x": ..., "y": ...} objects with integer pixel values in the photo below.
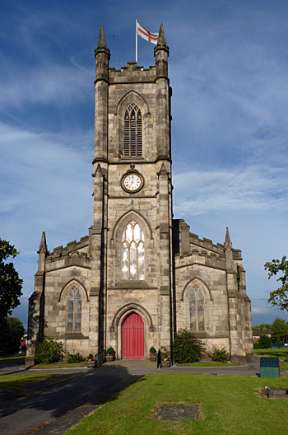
[
  {"x": 146, "y": 367},
  {"x": 11, "y": 366}
]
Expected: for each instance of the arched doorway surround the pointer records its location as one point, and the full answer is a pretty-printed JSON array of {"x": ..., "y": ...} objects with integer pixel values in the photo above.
[{"x": 132, "y": 337}]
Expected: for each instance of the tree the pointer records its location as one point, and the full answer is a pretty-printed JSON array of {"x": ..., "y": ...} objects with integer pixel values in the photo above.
[
  {"x": 280, "y": 328},
  {"x": 10, "y": 336},
  {"x": 10, "y": 282},
  {"x": 262, "y": 329},
  {"x": 279, "y": 297},
  {"x": 264, "y": 342}
]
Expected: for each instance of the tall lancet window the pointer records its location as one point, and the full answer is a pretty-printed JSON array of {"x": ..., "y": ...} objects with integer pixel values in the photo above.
[
  {"x": 132, "y": 252},
  {"x": 196, "y": 310},
  {"x": 74, "y": 309},
  {"x": 132, "y": 146}
]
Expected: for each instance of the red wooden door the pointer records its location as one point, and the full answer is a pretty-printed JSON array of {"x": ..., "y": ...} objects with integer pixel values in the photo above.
[{"x": 133, "y": 337}]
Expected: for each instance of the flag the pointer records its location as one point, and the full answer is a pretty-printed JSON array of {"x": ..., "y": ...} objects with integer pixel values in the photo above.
[{"x": 146, "y": 34}]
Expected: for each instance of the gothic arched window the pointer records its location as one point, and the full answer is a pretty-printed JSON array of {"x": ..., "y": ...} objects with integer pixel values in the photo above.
[
  {"x": 74, "y": 310},
  {"x": 132, "y": 252},
  {"x": 196, "y": 310},
  {"x": 132, "y": 146}
]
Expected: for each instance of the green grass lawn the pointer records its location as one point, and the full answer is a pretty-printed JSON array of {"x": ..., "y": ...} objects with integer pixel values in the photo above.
[
  {"x": 229, "y": 405},
  {"x": 281, "y": 352}
]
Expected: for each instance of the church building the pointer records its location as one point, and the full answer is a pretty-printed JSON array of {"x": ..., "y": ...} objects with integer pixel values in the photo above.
[{"x": 140, "y": 275}]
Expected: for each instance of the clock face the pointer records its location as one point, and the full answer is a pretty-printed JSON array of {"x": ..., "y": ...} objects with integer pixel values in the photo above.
[{"x": 132, "y": 182}]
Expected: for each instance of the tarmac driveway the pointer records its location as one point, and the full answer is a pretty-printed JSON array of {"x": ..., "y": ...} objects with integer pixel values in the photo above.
[
  {"x": 11, "y": 366},
  {"x": 52, "y": 406}
]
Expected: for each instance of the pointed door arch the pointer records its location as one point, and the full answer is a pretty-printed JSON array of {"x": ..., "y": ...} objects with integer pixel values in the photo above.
[{"x": 132, "y": 337}]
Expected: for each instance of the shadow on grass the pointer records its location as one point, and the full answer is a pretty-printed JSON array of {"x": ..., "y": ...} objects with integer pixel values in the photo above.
[
  {"x": 281, "y": 353},
  {"x": 64, "y": 396}
]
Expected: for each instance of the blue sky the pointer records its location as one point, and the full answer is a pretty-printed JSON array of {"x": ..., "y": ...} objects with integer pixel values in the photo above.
[{"x": 228, "y": 69}]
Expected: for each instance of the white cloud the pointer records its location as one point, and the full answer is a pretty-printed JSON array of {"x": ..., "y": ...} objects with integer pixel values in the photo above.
[
  {"x": 229, "y": 96},
  {"x": 46, "y": 84},
  {"x": 250, "y": 188},
  {"x": 263, "y": 312},
  {"x": 40, "y": 169},
  {"x": 46, "y": 184}
]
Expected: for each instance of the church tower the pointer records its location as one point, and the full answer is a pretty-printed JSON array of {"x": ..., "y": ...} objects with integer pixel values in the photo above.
[{"x": 130, "y": 238}]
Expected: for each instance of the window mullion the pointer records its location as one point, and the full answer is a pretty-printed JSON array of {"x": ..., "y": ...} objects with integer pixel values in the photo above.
[
  {"x": 137, "y": 262},
  {"x": 129, "y": 260},
  {"x": 129, "y": 134}
]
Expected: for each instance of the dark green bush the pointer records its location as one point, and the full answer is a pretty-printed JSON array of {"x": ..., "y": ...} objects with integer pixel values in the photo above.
[
  {"x": 110, "y": 351},
  {"x": 11, "y": 332},
  {"x": 219, "y": 354},
  {"x": 152, "y": 349},
  {"x": 74, "y": 358},
  {"x": 49, "y": 351},
  {"x": 263, "y": 343},
  {"x": 187, "y": 348}
]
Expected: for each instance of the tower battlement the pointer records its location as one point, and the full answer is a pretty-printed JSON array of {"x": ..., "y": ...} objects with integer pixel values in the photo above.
[{"x": 132, "y": 72}]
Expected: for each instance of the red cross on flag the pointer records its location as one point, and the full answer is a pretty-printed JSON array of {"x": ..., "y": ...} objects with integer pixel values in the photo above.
[{"x": 146, "y": 34}]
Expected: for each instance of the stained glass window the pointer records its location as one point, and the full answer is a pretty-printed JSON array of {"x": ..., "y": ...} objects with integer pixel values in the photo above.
[
  {"x": 132, "y": 146},
  {"x": 196, "y": 310},
  {"x": 132, "y": 253},
  {"x": 74, "y": 310}
]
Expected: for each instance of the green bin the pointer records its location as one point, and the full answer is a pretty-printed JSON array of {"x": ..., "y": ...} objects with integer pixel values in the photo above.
[{"x": 269, "y": 367}]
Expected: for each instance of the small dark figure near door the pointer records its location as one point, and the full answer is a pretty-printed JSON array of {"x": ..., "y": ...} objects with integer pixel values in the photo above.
[{"x": 159, "y": 357}]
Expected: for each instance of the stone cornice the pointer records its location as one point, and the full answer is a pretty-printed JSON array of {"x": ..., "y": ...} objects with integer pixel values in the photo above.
[{"x": 213, "y": 265}]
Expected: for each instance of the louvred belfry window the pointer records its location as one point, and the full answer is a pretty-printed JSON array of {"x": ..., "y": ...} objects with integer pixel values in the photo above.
[
  {"x": 132, "y": 252},
  {"x": 132, "y": 146},
  {"x": 74, "y": 309}
]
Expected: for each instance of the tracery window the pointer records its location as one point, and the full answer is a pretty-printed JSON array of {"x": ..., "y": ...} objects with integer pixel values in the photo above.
[
  {"x": 74, "y": 310},
  {"x": 132, "y": 146},
  {"x": 132, "y": 252},
  {"x": 196, "y": 310}
]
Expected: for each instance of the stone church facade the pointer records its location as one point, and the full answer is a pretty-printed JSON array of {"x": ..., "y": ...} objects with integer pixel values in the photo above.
[{"x": 140, "y": 275}]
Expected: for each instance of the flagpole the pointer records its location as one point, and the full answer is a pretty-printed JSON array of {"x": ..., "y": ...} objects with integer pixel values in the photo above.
[{"x": 136, "y": 43}]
